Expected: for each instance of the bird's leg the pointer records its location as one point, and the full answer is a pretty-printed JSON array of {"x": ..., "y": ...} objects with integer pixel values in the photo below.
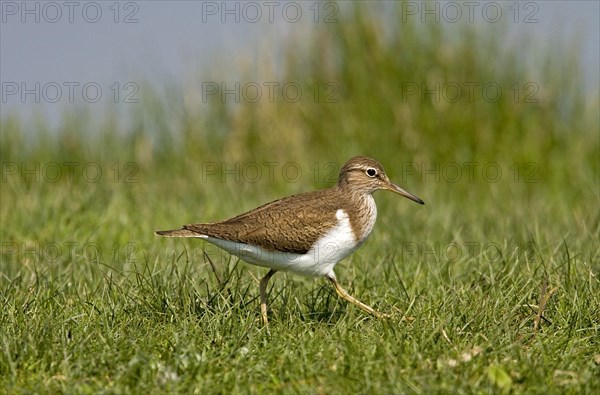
[
  {"x": 263, "y": 295},
  {"x": 342, "y": 293}
]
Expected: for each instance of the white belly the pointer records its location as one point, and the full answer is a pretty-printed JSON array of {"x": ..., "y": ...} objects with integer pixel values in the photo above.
[{"x": 332, "y": 247}]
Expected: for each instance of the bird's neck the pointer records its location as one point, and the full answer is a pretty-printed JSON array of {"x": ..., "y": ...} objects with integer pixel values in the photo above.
[{"x": 361, "y": 209}]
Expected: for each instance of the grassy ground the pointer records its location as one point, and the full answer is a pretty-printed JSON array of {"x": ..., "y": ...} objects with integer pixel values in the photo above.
[{"x": 498, "y": 271}]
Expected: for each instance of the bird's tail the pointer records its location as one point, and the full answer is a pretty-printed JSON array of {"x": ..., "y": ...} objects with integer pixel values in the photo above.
[{"x": 177, "y": 233}]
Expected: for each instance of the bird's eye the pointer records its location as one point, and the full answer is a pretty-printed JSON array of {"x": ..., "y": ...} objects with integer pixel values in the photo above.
[{"x": 371, "y": 172}]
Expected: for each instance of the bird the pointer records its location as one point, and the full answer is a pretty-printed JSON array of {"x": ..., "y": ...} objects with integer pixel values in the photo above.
[{"x": 307, "y": 233}]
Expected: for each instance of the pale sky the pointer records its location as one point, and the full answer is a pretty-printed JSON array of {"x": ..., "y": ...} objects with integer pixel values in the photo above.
[{"x": 69, "y": 53}]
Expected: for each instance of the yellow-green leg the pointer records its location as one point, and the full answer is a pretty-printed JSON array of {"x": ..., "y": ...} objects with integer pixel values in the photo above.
[
  {"x": 342, "y": 293},
  {"x": 263, "y": 295}
]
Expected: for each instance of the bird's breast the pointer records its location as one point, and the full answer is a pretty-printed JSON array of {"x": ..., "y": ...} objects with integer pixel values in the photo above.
[{"x": 362, "y": 217}]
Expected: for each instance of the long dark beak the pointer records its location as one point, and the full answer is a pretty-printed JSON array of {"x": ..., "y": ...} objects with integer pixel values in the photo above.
[{"x": 395, "y": 188}]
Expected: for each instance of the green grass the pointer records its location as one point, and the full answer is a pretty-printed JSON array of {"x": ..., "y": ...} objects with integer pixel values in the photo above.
[{"x": 499, "y": 276}]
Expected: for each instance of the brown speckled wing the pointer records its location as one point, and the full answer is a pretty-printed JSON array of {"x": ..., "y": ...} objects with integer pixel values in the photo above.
[{"x": 292, "y": 224}]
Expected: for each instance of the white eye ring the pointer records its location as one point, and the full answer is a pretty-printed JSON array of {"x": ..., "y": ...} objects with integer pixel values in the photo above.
[{"x": 371, "y": 172}]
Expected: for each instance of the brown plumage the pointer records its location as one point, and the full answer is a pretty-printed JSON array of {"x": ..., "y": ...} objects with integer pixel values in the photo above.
[{"x": 296, "y": 224}]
